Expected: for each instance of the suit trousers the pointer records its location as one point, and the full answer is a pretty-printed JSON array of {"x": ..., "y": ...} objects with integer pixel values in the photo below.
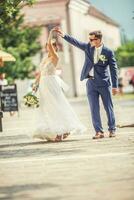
[{"x": 93, "y": 93}]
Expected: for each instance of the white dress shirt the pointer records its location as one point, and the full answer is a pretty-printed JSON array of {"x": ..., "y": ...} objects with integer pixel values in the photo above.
[{"x": 97, "y": 53}]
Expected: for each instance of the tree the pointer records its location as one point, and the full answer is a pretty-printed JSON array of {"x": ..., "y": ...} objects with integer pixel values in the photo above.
[
  {"x": 125, "y": 54},
  {"x": 17, "y": 40}
]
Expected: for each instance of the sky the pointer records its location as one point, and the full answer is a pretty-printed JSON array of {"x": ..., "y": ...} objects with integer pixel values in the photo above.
[{"x": 122, "y": 11}]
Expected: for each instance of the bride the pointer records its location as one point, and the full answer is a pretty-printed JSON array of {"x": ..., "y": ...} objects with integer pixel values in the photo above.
[{"x": 56, "y": 117}]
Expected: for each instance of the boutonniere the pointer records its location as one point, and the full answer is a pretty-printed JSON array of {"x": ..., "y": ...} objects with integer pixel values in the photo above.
[{"x": 103, "y": 58}]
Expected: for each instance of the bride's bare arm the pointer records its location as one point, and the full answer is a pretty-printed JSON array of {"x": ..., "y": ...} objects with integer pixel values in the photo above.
[
  {"x": 37, "y": 79},
  {"x": 36, "y": 84},
  {"x": 51, "y": 48}
]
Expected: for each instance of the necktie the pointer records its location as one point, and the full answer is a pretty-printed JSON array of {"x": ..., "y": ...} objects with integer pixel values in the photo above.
[{"x": 96, "y": 55}]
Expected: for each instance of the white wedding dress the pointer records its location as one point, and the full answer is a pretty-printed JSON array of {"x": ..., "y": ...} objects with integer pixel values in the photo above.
[{"x": 56, "y": 115}]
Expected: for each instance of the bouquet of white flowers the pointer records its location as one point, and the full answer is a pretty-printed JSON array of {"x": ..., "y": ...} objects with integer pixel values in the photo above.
[{"x": 31, "y": 100}]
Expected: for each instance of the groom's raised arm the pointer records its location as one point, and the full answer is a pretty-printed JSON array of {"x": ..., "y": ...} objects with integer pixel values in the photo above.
[
  {"x": 75, "y": 42},
  {"x": 70, "y": 39}
]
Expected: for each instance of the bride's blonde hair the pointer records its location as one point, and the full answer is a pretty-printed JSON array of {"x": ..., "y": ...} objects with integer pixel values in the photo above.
[{"x": 54, "y": 43}]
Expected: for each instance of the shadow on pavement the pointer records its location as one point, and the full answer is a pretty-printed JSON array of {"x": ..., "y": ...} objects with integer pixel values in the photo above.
[{"x": 15, "y": 191}]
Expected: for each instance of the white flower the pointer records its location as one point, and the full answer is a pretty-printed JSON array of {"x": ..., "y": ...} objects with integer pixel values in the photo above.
[
  {"x": 103, "y": 58},
  {"x": 31, "y": 100}
]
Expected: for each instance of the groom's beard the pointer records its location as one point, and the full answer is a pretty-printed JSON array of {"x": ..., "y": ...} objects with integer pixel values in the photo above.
[{"x": 92, "y": 45}]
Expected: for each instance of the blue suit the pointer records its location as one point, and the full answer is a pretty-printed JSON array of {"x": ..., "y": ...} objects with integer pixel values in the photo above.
[{"x": 105, "y": 76}]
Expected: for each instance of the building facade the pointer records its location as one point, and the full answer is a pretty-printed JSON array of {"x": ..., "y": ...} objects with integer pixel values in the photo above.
[{"x": 77, "y": 18}]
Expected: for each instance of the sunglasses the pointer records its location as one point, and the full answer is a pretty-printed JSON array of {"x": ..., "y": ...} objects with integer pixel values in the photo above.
[{"x": 91, "y": 40}]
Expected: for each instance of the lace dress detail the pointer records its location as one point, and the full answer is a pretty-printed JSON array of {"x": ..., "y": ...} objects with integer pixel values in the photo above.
[{"x": 47, "y": 69}]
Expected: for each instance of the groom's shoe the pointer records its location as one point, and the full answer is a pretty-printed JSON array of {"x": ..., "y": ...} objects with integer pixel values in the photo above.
[
  {"x": 98, "y": 135},
  {"x": 112, "y": 134}
]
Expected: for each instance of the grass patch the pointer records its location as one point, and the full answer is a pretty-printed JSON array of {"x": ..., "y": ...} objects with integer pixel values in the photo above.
[{"x": 125, "y": 96}]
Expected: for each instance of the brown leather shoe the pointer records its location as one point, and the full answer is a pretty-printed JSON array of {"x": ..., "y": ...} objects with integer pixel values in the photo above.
[
  {"x": 98, "y": 135},
  {"x": 65, "y": 135},
  {"x": 112, "y": 134}
]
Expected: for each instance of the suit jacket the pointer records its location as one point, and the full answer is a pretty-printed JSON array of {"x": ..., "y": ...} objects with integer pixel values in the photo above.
[{"x": 105, "y": 72}]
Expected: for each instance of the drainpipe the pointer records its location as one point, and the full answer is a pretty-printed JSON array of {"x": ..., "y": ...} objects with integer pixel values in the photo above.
[{"x": 71, "y": 50}]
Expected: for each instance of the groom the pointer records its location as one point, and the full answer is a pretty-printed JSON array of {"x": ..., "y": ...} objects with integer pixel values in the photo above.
[{"x": 100, "y": 70}]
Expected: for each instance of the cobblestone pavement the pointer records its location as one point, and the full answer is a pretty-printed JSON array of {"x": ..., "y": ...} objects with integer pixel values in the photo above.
[{"x": 77, "y": 169}]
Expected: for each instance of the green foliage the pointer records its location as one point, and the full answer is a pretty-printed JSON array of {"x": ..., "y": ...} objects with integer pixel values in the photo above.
[
  {"x": 20, "y": 41},
  {"x": 10, "y": 8},
  {"x": 125, "y": 54}
]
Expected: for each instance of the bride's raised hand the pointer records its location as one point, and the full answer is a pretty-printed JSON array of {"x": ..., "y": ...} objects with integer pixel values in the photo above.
[{"x": 59, "y": 31}]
